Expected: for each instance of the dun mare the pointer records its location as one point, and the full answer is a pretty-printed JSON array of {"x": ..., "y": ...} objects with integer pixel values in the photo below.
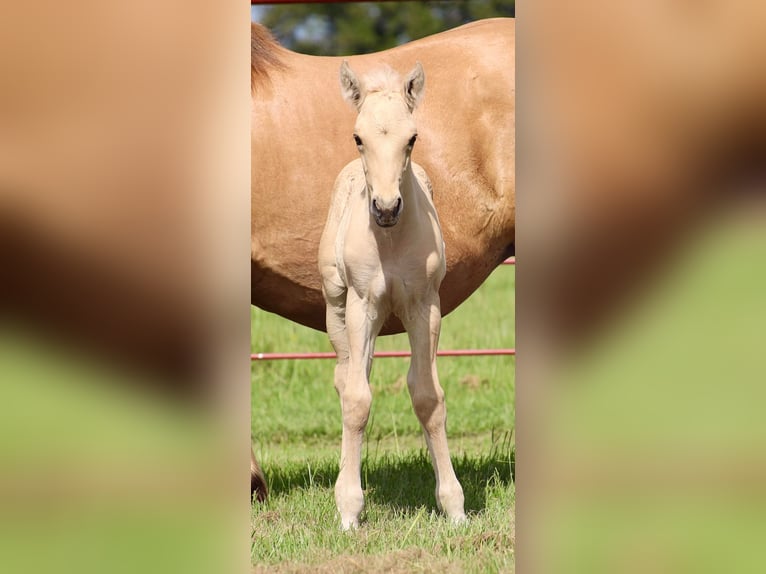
[{"x": 382, "y": 253}]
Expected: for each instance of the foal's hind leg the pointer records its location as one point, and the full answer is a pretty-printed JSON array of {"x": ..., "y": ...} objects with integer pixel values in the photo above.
[
  {"x": 428, "y": 401},
  {"x": 355, "y": 400}
]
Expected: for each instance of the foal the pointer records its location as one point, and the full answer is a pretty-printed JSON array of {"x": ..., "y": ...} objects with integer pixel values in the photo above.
[{"x": 382, "y": 252}]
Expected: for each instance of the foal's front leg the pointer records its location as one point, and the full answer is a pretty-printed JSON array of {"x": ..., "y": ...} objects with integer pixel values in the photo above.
[
  {"x": 423, "y": 329},
  {"x": 355, "y": 400}
]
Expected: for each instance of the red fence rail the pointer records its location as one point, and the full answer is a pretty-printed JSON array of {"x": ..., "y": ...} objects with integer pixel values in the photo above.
[{"x": 381, "y": 354}]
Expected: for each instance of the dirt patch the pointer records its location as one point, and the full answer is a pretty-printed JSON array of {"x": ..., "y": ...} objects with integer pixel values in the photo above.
[
  {"x": 473, "y": 382},
  {"x": 401, "y": 562},
  {"x": 268, "y": 517}
]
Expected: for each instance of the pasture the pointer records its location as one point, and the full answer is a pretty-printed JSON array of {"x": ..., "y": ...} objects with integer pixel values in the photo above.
[{"x": 296, "y": 426}]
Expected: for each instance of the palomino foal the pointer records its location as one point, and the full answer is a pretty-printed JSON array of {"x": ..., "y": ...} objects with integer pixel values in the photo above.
[{"x": 382, "y": 252}]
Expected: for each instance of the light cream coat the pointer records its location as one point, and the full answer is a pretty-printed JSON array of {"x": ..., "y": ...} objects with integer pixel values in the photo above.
[{"x": 382, "y": 253}]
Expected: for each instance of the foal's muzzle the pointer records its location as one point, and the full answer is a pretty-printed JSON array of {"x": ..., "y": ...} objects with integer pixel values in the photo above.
[{"x": 386, "y": 217}]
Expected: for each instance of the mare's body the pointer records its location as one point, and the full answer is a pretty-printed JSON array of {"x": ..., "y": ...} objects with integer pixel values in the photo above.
[{"x": 301, "y": 139}]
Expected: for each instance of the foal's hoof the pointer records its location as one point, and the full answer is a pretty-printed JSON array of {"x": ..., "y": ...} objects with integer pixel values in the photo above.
[{"x": 349, "y": 525}]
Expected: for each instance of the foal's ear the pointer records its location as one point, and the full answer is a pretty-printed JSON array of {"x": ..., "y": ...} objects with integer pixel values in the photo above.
[
  {"x": 413, "y": 86},
  {"x": 350, "y": 88}
]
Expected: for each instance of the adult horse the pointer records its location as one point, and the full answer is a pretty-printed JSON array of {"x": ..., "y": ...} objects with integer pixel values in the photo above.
[
  {"x": 301, "y": 138},
  {"x": 382, "y": 254}
]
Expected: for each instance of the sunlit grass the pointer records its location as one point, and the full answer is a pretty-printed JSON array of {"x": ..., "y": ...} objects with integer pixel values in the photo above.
[{"x": 296, "y": 429}]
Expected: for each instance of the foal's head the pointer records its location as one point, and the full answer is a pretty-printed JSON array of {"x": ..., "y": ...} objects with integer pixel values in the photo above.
[{"x": 384, "y": 133}]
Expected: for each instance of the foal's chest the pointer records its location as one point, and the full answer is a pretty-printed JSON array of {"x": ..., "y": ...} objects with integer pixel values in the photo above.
[
  {"x": 398, "y": 279},
  {"x": 396, "y": 266}
]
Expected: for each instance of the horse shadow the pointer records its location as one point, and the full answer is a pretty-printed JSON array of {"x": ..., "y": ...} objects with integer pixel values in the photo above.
[{"x": 405, "y": 482}]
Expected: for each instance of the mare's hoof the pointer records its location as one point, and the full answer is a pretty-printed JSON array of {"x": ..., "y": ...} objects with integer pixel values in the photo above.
[{"x": 258, "y": 487}]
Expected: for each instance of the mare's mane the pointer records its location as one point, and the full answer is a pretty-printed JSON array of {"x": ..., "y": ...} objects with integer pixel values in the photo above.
[{"x": 264, "y": 54}]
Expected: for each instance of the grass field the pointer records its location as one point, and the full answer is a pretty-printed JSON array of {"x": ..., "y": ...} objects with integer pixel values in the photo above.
[{"x": 296, "y": 427}]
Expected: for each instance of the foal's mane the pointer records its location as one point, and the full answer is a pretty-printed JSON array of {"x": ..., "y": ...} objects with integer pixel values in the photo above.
[{"x": 264, "y": 54}]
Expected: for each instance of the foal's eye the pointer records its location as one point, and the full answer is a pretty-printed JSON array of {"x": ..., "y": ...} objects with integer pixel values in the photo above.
[
  {"x": 412, "y": 140},
  {"x": 358, "y": 140}
]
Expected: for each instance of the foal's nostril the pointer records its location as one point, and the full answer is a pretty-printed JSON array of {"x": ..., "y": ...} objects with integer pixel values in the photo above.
[
  {"x": 375, "y": 206},
  {"x": 398, "y": 206}
]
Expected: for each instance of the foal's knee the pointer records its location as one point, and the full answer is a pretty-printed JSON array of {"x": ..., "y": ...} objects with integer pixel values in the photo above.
[
  {"x": 428, "y": 404},
  {"x": 356, "y": 406}
]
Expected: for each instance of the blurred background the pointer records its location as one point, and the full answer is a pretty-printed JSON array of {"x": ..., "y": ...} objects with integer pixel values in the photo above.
[
  {"x": 335, "y": 29},
  {"x": 124, "y": 222},
  {"x": 644, "y": 452}
]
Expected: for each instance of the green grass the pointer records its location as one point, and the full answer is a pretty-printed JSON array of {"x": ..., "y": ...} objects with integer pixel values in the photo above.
[{"x": 296, "y": 429}]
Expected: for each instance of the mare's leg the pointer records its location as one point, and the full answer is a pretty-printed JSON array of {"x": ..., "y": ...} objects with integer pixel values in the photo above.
[
  {"x": 355, "y": 400},
  {"x": 257, "y": 480},
  {"x": 427, "y": 395}
]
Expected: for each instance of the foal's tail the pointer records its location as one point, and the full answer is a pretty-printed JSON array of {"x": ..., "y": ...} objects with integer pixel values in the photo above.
[{"x": 257, "y": 480}]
